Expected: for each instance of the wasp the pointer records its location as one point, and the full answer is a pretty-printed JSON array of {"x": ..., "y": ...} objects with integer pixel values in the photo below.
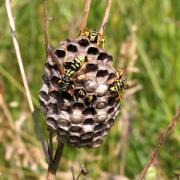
[
  {"x": 67, "y": 73},
  {"x": 81, "y": 93},
  {"x": 94, "y": 36},
  {"x": 88, "y": 98},
  {"x": 75, "y": 65},
  {"x": 119, "y": 84}
]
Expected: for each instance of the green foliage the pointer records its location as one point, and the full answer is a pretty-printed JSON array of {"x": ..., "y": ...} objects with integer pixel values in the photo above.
[{"x": 158, "y": 38}]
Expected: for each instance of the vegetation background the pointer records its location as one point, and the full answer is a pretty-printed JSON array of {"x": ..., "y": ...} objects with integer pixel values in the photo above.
[{"x": 151, "y": 29}]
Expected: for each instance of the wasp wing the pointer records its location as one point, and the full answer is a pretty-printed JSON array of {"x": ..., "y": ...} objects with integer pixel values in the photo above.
[{"x": 56, "y": 61}]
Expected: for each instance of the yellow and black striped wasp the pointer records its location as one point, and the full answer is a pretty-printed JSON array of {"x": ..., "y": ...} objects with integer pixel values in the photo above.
[
  {"x": 94, "y": 36},
  {"x": 119, "y": 84},
  {"x": 75, "y": 65},
  {"x": 67, "y": 73}
]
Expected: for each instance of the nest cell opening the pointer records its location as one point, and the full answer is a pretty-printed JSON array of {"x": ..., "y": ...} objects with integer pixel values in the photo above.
[
  {"x": 46, "y": 80},
  {"x": 98, "y": 134},
  {"x": 102, "y": 56},
  {"x": 88, "y": 121},
  {"x": 93, "y": 51},
  {"x": 83, "y": 42},
  {"x": 102, "y": 73},
  {"x": 53, "y": 108},
  {"x": 63, "y": 132},
  {"x": 91, "y": 67},
  {"x": 72, "y": 48},
  {"x": 111, "y": 122},
  {"x": 44, "y": 96},
  {"x": 110, "y": 58},
  {"x": 110, "y": 110},
  {"x": 74, "y": 138},
  {"x": 87, "y": 135},
  {"x": 43, "y": 107},
  {"x": 78, "y": 105},
  {"x": 67, "y": 96},
  {"x": 60, "y": 53},
  {"x": 112, "y": 101},
  {"x": 76, "y": 129},
  {"x": 87, "y": 141},
  {"x": 51, "y": 122},
  {"x": 99, "y": 127},
  {"x": 54, "y": 80},
  {"x": 89, "y": 111}
]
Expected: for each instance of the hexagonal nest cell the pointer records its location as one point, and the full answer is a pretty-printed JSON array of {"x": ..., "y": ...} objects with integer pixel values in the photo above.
[{"x": 80, "y": 120}]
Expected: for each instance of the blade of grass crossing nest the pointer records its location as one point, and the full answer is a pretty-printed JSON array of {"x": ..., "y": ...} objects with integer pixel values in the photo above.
[{"x": 106, "y": 17}]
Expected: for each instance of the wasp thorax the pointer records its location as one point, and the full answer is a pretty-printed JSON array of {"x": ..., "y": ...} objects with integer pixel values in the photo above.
[{"x": 80, "y": 104}]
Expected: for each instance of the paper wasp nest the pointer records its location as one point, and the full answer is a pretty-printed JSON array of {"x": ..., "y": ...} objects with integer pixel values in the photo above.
[{"x": 80, "y": 121}]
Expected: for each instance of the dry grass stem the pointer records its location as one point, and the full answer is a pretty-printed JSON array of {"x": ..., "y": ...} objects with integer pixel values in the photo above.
[
  {"x": 20, "y": 63},
  {"x": 105, "y": 18},
  {"x": 18, "y": 54},
  {"x": 52, "y": 162},
  {"x": 162, "y": 140},
  {"x": 73, "y": 174},
  {"x": 46, "y": 25},
  {"x": 85, "y": 15},
  {"x": 127, "y": 58}
]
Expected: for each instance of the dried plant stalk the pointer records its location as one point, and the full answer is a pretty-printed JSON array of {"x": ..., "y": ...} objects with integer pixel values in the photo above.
[
  {"x": 162, "y": 140},
  {"x": 53, "y": 162},
  {"x": 85, "y": 15},
  {"x": 105, "y": 18},
  {"x": 53, "y": 166},
  {"x": 18, "y": 54},
  {"x": 46, "y": 26},
  {"x": 23, "y": 75}
]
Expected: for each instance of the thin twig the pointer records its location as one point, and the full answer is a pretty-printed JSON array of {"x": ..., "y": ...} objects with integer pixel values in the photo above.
[
  {"x": 105, "y": 18},
  {"x": 162, "y": 140},
  {"x": 18, "y": 54},
  {"x": 46, "y": 26},
  {"x": 77, "y": 178},
  {"x": 83, "y": 171},
  {"x": 54, "y": 165},
  {"x": 85, "y": 15}
]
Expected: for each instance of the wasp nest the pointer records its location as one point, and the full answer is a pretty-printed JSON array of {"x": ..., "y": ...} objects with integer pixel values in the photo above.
[{"x": 80, "y": 121}]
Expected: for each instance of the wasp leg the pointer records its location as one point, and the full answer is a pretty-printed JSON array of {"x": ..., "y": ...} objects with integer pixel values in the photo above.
[{"x": 119, "y": 98}]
